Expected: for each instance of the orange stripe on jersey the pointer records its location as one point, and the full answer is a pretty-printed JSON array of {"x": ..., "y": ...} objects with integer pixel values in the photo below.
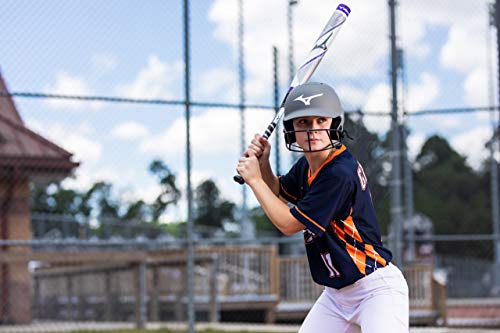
[
  {"x": 338, "y": 230},
  {"x": 358, "y": 257},
  {"x": 350, "y": 228},
  {"x": 291, "y": 196},
  {"x": 371, "y": 253},
  {"x": 310, "y": 177},
  {"x": 310, "y": 220}
]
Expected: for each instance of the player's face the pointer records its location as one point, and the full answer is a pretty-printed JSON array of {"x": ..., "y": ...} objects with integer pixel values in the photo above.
[{"x": 312, "y": 132}]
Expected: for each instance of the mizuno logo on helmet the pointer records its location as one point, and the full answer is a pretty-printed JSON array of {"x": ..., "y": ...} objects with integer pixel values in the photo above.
[{"x": 307, "y": 100}]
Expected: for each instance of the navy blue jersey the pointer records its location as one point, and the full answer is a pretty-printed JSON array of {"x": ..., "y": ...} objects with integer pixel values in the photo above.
[{"x": 342, "y": 236}]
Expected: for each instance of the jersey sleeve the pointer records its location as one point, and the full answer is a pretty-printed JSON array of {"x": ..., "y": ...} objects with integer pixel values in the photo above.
[
  {"x": 289, "y": 185},
  {"x": 329, "y": 198}
]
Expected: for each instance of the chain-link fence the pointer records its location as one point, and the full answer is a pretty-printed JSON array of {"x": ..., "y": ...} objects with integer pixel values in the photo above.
[{"x": 96, "y": 99}]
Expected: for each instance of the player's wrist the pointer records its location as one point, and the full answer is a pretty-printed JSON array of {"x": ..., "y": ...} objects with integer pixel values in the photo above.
[{"x": 256, "y": 182}]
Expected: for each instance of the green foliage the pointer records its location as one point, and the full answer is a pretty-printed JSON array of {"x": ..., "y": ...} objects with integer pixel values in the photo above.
[
  {"x": 369, "y": 150},
  {"x": 115, "y": 217},
  {"x": 211, "y": 211},
  {"x": 449, "y": 192},
  {"x": 263, "y": 225},
  {"x": 170, "y": 193}
]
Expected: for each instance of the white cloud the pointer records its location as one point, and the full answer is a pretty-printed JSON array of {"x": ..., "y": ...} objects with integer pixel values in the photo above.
[
  {"x": 104, "y": 61},
  {"x": 156, "y": 80},
  {"x": 350, "y": 55},
  {"x": 129, "y": 131},
  {"x": 66, "y": 84},
  {"x": 378, "y": 100},
  {"x": 75, "y": 139},
  {"x": 463, "y": 51},
  {"x": 217, "y": 82},
  {"x": 212, "y": 132},
  {"x": 87, "y": 175},
  {"x": 472, "y": 145},
  {"x": 79, "y": 141},
  {"x": 424, "y": 93},
  {"x": 476, "y": 88},
  {"x": 415, "y": 143},
  {"x": 350, "y": 96}
]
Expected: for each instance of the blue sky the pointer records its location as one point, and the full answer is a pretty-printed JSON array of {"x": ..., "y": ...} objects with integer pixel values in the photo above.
[{"x": 134, "y": 49}]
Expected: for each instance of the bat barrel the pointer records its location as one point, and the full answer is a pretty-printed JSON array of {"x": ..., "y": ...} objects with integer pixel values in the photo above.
[{"x": 305, "y": 71}]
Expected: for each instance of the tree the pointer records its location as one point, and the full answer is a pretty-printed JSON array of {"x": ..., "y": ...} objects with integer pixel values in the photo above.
[
  {"x": 58, "y": 202},
  {"x": 170, "y": 194},
  {"x": 99, "y": 202},
  {"x": 450, "y": 192},
  {"x": 211, "y": 211},
  {"x": 370, "y": 151}
]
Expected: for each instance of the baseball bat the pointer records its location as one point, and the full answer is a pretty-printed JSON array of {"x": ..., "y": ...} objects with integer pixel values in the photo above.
[{"x": 307, "y": 69}]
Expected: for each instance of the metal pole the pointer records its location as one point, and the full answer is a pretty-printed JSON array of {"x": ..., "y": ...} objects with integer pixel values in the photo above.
[
  {"x": 494, "y": 19},
  {"x": 190, "y": 252},
  {"x": 396, "y": 208},
  {"x": 407, "y": 168},
  {"x": 247, "y": 230},
  {"x": 276, "y": 108},
  {"x": 408, "y": 179},
  {"x": 497, "y": 25},
  {"x": 291, "y": 63}
]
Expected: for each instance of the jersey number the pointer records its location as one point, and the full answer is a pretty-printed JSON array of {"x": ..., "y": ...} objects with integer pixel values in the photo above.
[{"x": 327, "y": 259}]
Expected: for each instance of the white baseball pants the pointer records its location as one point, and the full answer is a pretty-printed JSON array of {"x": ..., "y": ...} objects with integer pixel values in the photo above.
[{"x": 377, "y": 303}]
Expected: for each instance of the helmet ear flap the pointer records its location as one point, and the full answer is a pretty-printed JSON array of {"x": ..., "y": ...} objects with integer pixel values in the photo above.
[
  {"x": 289, "y": 132},
  {"x": 337, "y": 128}
]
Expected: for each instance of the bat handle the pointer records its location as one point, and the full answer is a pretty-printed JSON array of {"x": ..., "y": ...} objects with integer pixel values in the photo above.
[
  {"x": 266, "y": 135},
  {"x": 239, "y": 179}
]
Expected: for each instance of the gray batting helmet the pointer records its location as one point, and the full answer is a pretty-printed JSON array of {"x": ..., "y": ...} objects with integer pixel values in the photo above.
[{"x": 313, "y": 99}]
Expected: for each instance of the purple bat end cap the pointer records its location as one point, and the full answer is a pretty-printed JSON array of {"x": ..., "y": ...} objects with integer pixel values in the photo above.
[{"x": 346, "y": 10}]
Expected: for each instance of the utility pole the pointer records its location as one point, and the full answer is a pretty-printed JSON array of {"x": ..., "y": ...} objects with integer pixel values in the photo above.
[
  {"x": 291, "y": 62},
  {"x": 396, "y": 206},
  {"x": 247, "y": 228},
  {"x": 494, "y": 147},
  {"x": 190, "y": 245},
  {"x": 276, "y": 108}
]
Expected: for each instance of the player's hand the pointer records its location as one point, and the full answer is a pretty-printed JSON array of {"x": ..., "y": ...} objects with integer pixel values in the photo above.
[
  {"x": 259, "y": 147},
  {"x": 249, "y": 169}
]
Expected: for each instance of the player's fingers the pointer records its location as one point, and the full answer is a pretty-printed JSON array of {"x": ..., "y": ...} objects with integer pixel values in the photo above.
[
  {"x": 257, "y": 144},
  {"x": 254, "y": 151},
  {"x": 263, "y": 142}
]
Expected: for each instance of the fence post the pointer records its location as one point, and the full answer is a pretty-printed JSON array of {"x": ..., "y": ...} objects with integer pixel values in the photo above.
[
  {"x": 70, "y": 296},
  {"x": 36, "y": 297},
  {"x": 155, "y": 309},
  {"x": 214, "y": 291},
  {"x": 108, "y": 311},
  {"x": 140, "y": 295}
]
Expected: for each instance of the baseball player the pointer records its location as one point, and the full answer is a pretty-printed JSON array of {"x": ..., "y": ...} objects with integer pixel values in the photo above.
[{"x": 332, "y": 206}]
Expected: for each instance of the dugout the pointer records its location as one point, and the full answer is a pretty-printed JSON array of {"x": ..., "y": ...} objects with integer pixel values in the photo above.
[{"x": 25, "y": 157}]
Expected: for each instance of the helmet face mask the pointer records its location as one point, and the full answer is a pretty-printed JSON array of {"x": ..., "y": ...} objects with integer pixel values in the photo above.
[
  {"x": 335, "y": 134},
  {"x": 313, "y": 99}
]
